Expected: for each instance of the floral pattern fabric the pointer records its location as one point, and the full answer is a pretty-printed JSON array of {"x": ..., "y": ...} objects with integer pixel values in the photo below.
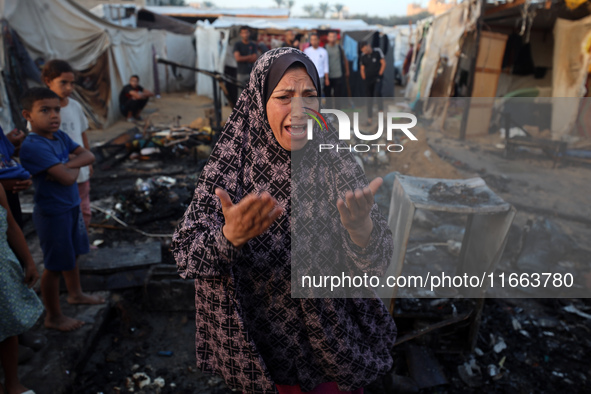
[
  {"x": 249, "y": 329},
  {"x": 19, "y": 306}
]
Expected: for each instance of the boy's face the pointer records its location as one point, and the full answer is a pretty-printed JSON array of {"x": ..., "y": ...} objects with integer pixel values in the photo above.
[
  {"x": 134, "y": 82},
  {"x": 62, "y": 85},
  {"x": 245, "y": 34},
  {"x": 44, "y": 116}
]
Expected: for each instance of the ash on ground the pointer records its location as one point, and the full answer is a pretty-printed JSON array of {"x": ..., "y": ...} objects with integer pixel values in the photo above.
[{"x": 460, "y": 194}]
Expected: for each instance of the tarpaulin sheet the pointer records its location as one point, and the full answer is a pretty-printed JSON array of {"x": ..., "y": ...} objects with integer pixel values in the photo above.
[
  {"x": 212, "y": 45},
  {"x": 442, "y": 42},
  {"x": 294, "y": 23},
  {"x": 180, "y": 49},
  {"x": 569, "y": 72}
]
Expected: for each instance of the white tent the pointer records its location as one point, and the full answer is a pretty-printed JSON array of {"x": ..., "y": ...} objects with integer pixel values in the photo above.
[
  {"x": 62, "y": 29},
  {"x": 188, "y": 12},
  {"x": 442, "y": 42},
  {"x": 401, "y": 35},
  {"x": 212, "y": 45},
  {"x": 293, "y": 23}
]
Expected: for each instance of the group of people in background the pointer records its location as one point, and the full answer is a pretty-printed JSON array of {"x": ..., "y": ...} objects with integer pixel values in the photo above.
[
  {"x": 55, "y": 158},
  {"x": 330, "y": 61}
]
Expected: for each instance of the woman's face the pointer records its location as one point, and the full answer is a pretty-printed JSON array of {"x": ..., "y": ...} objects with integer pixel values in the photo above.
[{"x": 289, "y": 127}]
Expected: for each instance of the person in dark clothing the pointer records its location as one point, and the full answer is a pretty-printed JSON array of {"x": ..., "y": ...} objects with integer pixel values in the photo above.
[
  {"x": 373, "y": 65},
  {"x": 245, "y": 53},
  {"x": 338, "y": 68},
  {"x": 407, "y": 61},
  {"x": 291, "y": 40},
  {"x": 13, "y": 177},
  {"x": 133, "y": 98}
]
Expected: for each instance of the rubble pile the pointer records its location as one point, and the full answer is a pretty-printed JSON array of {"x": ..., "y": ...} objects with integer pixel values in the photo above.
[{"x": 156, "y": 142}]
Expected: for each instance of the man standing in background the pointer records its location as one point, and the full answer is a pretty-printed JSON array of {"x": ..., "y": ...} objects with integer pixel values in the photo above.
[
  {"x": 319, "y": 57},
  {"x": 373, "y": 66},
  {"x": 245, "y": 53},
  {"x": 290, "y": 40},
  {"x": 338, "y": 67}
]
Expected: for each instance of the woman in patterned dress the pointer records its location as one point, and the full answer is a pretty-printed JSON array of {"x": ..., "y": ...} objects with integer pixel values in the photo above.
[
  {"x": 236, "y": 241},
  {"x": 19, "y": 305}
]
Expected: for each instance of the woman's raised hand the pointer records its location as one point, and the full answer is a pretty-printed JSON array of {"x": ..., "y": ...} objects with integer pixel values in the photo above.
[
  {"x": 249, "y": 218},
  {"x": 355, "y": 212}
]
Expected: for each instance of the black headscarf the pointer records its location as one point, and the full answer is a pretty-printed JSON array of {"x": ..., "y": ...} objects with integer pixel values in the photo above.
[{"x": 279, "y": 67}]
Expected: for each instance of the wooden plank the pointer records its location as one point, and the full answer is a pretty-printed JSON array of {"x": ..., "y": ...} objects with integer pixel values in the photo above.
[
  {"x": 486, "y": 79},
  {"x": 485, "y": 85},
  {"x": 503, "y": 7},
  {"x": 418, "y": 191},
  {"x": 486, "y": 70},
  {"x": 491, "y": 50},
  {"x": 424, "y": 368},
  {"x": 441, "y": 324},
  {"x": 123, "y": 258}
]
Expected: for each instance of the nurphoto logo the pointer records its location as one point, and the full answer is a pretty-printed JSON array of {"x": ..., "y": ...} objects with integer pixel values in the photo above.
[{"x": 344, "y": 129}]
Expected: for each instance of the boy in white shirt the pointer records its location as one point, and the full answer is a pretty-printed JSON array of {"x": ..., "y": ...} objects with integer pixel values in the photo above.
[{"x": 58, "y": 75}]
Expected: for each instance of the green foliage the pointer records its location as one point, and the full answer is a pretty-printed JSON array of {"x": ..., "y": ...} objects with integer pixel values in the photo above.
[
  {"x": 310, "y": 10},
  {"x": 323, "y": 8}
]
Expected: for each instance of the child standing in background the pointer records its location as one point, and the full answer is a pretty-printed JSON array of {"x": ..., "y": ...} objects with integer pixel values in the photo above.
[
  {"x": 55, "y": 160},
  {"x": 19, "y": 305},
  {"x": 58, "y": 75}
]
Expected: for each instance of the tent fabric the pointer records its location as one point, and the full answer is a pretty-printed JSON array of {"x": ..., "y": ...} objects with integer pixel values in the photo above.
[
  {"x": 442, "y": 42},
  {"x": 212, "y": 45},
  {"x": 351, "y": 51},
  {"x": 151, "y": 20},
  {"x": 180, "y": 49},
  {"x": 6, "y": 121},
  {"x": 293, "y": 23},
  {"x": 19, "y": 67},
  {"x": 118, "y": 14},
  {"x": 388, "y": 79},
  {"x": 569, "y": 72},
  {"x": 237, "y": 12},
  {"x": 402, "y": 43}
]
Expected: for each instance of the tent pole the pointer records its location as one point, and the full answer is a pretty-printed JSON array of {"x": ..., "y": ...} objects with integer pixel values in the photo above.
[
  {"x": 471, "y": 80},
  {"x": 216, "y": 104}
]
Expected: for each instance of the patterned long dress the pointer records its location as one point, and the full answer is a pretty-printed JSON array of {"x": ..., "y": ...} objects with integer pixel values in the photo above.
[
  {"x": 250, "y": 330},
  {"x": 19, "y": 306}
]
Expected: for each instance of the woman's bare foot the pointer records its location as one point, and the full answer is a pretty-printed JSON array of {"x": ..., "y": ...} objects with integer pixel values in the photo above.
[
  {"x": 84, "y": 298},
  {"x": 63, "y": 323}
]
